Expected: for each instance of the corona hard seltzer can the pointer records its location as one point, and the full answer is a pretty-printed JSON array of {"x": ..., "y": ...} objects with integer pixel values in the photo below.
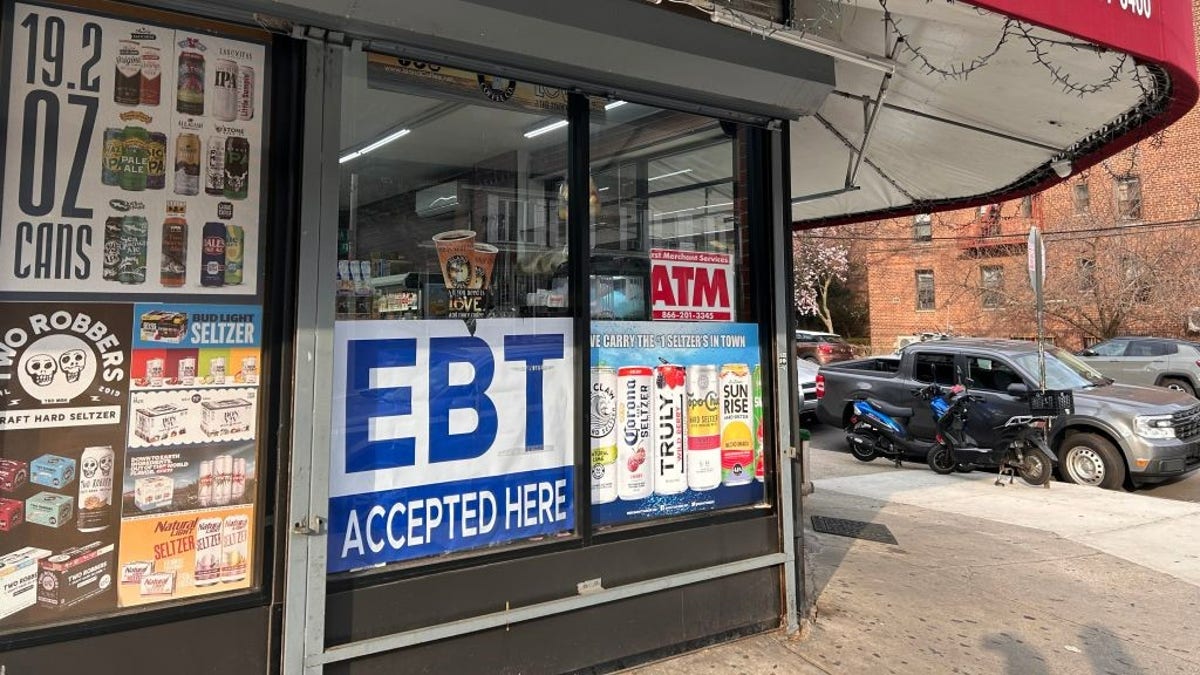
[
  {"x": 635, "y": 472},
  {"x": 703, "y": 442},
  {"x": 670, "y": 421},
  {"x": 737, "y": 435},
  {"x": 604, "y": 435}
]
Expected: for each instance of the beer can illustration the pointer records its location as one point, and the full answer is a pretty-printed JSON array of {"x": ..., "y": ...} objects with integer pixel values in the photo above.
[
  {"x": 187, "y": 371},
  {"x": 214, "y": 166},
  {"x": 238, "y": 490},
  {"x": 635, "y": 470},
  {"x": 127, "y": 89},
  {"x": 112, "y": 246},
  {"x": 204, "y": 483},
  {"x": 95, "y": 489},
  {"x": 703, "y": 441},
  {"x": 216, "y": 370},
  {"x": 131, "y": 265},
  {"x": 235, "y": 547},
  {"x": 737, "y": 437},
  {"x": 189, "y": 92},
  {"x": 222, "y": 480},
  {"x": 156, "y": 162},
  {"x": 187, "y": 164},
  {"x": 207, "y": 535},
  {"x": 237, "y": 167},
  {"x": 670, "y": 419},
  {"x": 235, "y": 239},
  {"x": 604, "y": 435},
  {"x": 757, "y": 397},
  {"x": 135, "y": 159},
  {"x": 154, "y": 371},
  {"x": 250, "y": 369},
  {"x": 245, "y": 93},
  {"x": 225, "y": 93},
  {"x": 151, "y": 77},
  {"x": 212, "y": 254},
  {"x": 110, "y": 164},
  {"x": 173, "y": 267}
]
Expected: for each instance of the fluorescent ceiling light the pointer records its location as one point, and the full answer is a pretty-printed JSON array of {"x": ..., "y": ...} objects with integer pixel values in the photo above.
[
  {"x": 374, "y": 146},
  {"x": 615, "y": 104},
  {"x": 694, "y": 208},
  {"x": 668, "y": 175},
  {"x": 546, "y": 129}
]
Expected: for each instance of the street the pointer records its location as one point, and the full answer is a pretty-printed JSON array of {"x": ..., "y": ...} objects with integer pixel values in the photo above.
[{"x": 830, "y": 459}]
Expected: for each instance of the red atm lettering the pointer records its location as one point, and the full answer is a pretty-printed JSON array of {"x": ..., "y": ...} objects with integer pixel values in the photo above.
[{"x": 695, "y": 286}]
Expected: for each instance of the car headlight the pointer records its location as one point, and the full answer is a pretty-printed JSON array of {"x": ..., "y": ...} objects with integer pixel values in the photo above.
[{"x": 1154, "y": 426}]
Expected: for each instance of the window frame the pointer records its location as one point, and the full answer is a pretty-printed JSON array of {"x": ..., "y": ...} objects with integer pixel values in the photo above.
[
  {"x": 976, "y": 384},
  {"x": 922, "y": 227},
  {"x": 992, "y": 292},
  {"x": 1128, "y": 198},
  {"x": 951, "y": 360},
  {"x": 1081, "y": 198},
  {"x": 931, "y": 292}
]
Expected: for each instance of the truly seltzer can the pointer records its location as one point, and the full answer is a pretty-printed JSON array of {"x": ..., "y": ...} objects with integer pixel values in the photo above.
[
  {"x": 703, "y": 441},
  {"x": 604, "y": 435},
  {"x": 737, "y": 436},
  {"x": 635, "y": 473},
  {"x": 670, "y": 420}
]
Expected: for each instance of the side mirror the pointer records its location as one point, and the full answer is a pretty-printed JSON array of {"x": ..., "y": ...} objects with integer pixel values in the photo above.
[{"x": 1017, "y": 389}]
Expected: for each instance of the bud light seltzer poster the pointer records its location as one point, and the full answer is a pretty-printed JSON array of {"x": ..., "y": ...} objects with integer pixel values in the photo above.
[
  {"x": 133, "y": 158},
  {"x": 676, "y": 419},
  {"x": 64, "y": 388}
]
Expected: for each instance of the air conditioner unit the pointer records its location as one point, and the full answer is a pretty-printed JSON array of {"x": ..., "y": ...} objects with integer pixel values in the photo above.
[
  {"x": 1193, "y": 320},
  {"x": 437, "y": 200}
]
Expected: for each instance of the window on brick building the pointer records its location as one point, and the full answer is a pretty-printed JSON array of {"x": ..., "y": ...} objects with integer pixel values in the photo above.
[
  {"x": 991, "y": 281},
  {"x": 1129, "y": 198},
  {"x": 1081, "y": 198},
  {"x": 925, "y": 297},
  {"x": 1027, "y": 207},
  {"x": 1085, "y": 272},
  {"x": 922, "y": 227}
]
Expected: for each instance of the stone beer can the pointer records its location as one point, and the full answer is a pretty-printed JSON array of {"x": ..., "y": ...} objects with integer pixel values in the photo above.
[
  {"x": 214, "y": 166},
  {"x": 245, "y": 93},
  {"x": 212, "y": 254},
  {"x": 237, "y": 167},
  {"x": 156, "y": 164},
  {"x": 225, "y": 93},
  {"x": 187, "y": 164},
  {"x": 235, "y": 239}
]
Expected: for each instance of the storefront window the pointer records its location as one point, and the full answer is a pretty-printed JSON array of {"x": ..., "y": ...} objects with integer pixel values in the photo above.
[
  {"x": 677, "y": 408},
  {"x": 453, "y": 381}
]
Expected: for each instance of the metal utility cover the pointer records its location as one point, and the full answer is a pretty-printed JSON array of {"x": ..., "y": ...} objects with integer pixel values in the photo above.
[{"x": 856, "y": 529}]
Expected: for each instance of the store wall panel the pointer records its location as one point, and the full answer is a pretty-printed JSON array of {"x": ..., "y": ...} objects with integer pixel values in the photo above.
[
  {"x": 607, "y": 634},
  {"x": 438, "y": 598}
]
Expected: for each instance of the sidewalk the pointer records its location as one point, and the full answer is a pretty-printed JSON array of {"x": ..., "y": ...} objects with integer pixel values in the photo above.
[{"x": 987, "y": 579}]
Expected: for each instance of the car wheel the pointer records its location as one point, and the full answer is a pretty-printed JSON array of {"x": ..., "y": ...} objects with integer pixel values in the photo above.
[
  {"x": 1176, "y": 384},
  {"x": 1089, "y": 459}
]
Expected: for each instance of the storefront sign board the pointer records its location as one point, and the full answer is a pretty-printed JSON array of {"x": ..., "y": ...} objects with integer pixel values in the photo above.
[{"x": 691, "y": 286}]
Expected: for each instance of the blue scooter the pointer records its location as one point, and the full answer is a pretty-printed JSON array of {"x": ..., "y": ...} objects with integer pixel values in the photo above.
[{"x": 878, "y": 428}]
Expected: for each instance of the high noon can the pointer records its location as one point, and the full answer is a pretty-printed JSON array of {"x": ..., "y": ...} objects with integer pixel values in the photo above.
[
  {"x": 212, "y": 254},
  {"x": 670, "y": 421},
  {"x": 225, "y": 90},
  {"x": 110, "y": 163},
  {"x": 207, "y": 541},
  {"x": 757, "y": 397},
  {"x": 235, "y": 254},
  {"x": 95, "y": 489},
  {"x": 604, "y": 435},
  {"x": 737, "y": 436},
  {"x": 635, "y": 471},
  {"x": 703, "y": 441}
]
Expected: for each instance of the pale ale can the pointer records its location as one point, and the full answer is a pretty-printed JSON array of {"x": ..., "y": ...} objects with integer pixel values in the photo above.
[
  {"x": 95, "y": 489},
  {"x": 604, "y": 435},
  {"x": 635, "y": 470},
  {"x": 737, "y": 437},
  {"x": 135, "y": 159},
  {"x": 703, "y": 441},
  {"x": 208, "y": 551},
  {"x": 670, "y": 420}
]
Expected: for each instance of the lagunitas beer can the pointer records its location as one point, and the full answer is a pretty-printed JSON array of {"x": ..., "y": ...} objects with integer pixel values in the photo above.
[
  {"x": 235, "y": 239},
  {"x": 187, "y": 164},
  {"x": 131, "y": 266},
  {"x": 604, "y": 435},
  {"x": 238, "y": 490},
  {"x": 235, "y": 547},
  {"x": 237, "y": 167},
  {"x": 225, "y": 94},
  {"x": 110, "y": 164},
  {"x": 135, "y": 159},
  {"x": 189, "y": 92},
  {"x": 151, "y": 79},
  {"x": 757, "y": 397},
  {"x": 187, "y": 371},
  {"x": 154, "y": 371},
  {"x": 204, "y": 483},
  {"x": 212, "y": 254},
  {"x": 156, "y": 167},
  {"x": 216, "y": 369},
  {"x": 635, "y": 470},
  {"x": 737, "y": 436},
  {"x": 245, "y": 93},
  {"x": 703, "y": 441},
  {"x": 112, "y": 247},
  {"x": 95, "y": 489},
  {"x": 207, "y": 542},
  {"x": 214, "y": 166},
  {"x": 670, "y": 419},
  {"x": 173, "y": 269},
  {"x": 127, "y": 87}
]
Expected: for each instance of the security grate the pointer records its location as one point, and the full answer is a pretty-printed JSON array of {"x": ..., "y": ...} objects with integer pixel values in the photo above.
[{"x": 854, "y": 528}]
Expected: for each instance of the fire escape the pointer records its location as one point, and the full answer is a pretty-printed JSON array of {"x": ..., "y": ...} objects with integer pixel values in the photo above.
[{"x": 993, "y": 234}]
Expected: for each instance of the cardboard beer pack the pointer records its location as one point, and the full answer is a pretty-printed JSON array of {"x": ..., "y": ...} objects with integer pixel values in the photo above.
[
  {"x": 74, "y": 575},
  {"x": 18, "y": 579}
]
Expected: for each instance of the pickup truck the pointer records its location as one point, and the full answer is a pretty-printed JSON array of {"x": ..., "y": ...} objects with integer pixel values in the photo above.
[{"x": 1117, "y": 436}]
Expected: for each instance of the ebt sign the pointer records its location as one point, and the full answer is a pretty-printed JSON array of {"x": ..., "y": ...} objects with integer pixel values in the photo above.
[{"x": 444, "y": 440}]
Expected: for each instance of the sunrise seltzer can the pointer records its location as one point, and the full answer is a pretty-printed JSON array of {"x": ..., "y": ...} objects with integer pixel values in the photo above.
[
  {"x": 95, "y": 489},
  {"x": 670, "y": 420},
  {"x": 604, "y": 435},
  {"x": 235, "y": 547},
  {"x": 757, "y": 397},
  {"x": 703, "y": 442},
  {"x": 635, "y": 472},
  {"x": 208, "y": 551},
  {"x": 737, "y": 438}
]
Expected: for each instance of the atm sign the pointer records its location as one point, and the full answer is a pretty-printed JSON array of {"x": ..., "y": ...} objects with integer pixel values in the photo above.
[{"x": 691, "y": 286}]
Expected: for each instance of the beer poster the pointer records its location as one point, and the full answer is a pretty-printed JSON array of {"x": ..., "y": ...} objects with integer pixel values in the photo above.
[
  {"x": 676, "y": 420},
  {"x": 63, "y": 405},
  {"x": 133, "y": 158}
]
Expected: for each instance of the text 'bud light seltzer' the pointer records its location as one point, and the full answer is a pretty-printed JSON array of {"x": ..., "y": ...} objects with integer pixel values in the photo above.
[
  {"x": 208, "y": 551},
  {"x": 245, "y": 89},
  {"x": 189, "y": 93},
  {"x": 604, "y": 435},
  {"x": 237, "y": 167},
  {"x": 214, "y": 166},
  {"x": 131, "y": 265},
  {"x": 112, "y": 246},
  {"x": 635, "y": 477},
  {"x": 235, "y": 547},
  {"x": 703, "y": 441},
  {"x": 225, "y": 90},
  {"x": 187, "y": 164},
  {"x": 737, "y": 438},
  {"x": 156, "y": 162},
  {"x": 212, "y": 254},
  {"x": 110, "y": 164},
  {"x": 173, "y": 269},
  {"x": 670, "y": 418},
  {"x": 95, "y": 489},
  {"x": 235, "y": 240},
  {"x": 757, "y": 394}
]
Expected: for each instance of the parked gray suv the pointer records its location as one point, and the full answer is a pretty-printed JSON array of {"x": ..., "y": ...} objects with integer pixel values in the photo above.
[{"x": 1162, "y": 362}]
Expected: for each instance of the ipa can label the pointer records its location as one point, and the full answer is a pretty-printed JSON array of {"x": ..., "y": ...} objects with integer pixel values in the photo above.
[{"x": 737, "y": 437}]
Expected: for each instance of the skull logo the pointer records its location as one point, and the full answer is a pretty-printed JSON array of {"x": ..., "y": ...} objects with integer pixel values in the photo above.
[
  {"x": 41, "y": 368},
  {"x": 89, "y": 467},
  {"x": 72, "y": 362}
]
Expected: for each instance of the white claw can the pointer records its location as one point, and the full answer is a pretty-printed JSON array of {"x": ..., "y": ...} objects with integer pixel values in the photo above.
[
  {"x": 703, "y": 441},
  {"x": 670, "y": 419},
  {"x": 208, "y": 551},
  {"x": 635, "y": 472},
  {"x": 604, "y": 435}
]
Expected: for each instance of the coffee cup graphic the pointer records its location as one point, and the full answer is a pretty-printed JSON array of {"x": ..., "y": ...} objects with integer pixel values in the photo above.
[
  {"x": 484, "y": 260},
  {"x": 456, "y": 252}
]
